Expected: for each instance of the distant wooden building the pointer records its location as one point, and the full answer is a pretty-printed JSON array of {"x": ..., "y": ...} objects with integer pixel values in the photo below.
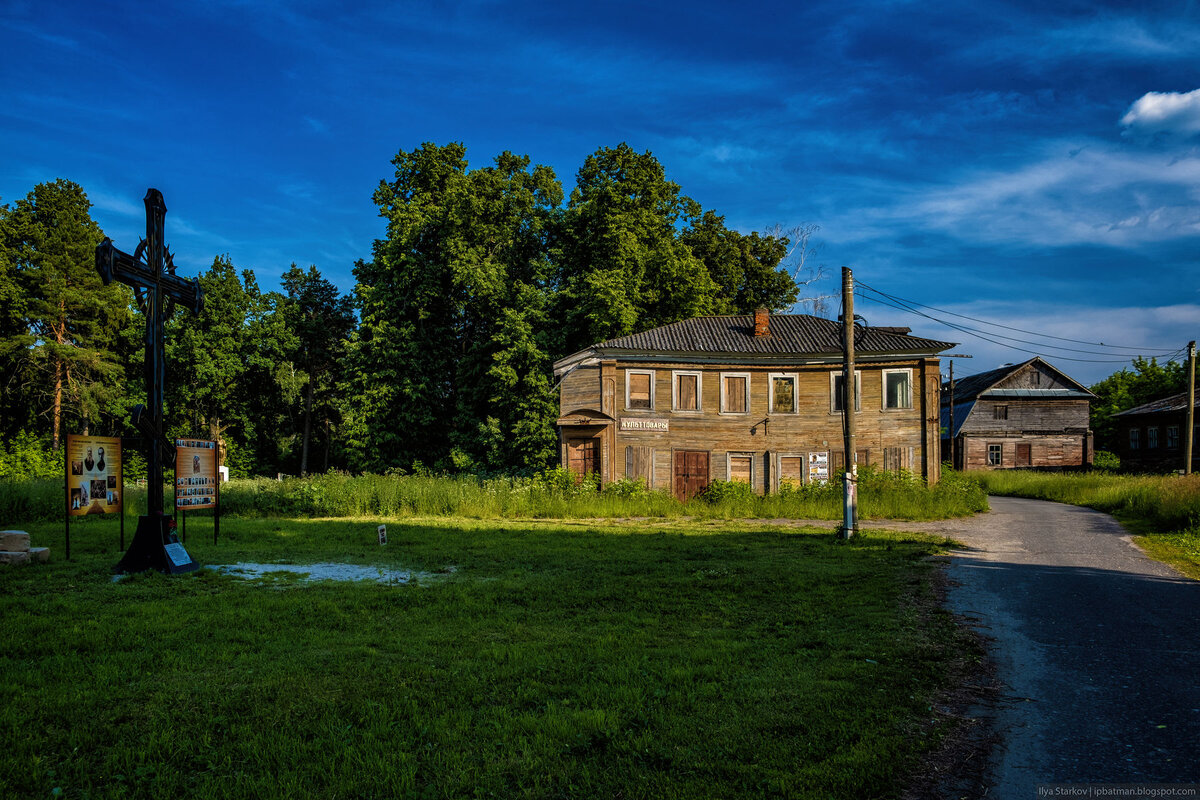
[
  {"x": 1028, "y": 415},
  {"x": 752, "y": 398},
  {"x": 1151, "y": 437}
]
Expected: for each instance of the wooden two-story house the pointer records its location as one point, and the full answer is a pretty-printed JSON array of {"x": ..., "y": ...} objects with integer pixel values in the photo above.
[
  {"x": 754, "y": 398},
  {"x": 1029, "y": 415}
]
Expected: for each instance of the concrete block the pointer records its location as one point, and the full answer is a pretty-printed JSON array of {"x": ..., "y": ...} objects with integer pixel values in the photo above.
[
  {"x": 14, "y": 541},
  {"x": 39, "y": 554},
  {"x": 9, "y": 557}
]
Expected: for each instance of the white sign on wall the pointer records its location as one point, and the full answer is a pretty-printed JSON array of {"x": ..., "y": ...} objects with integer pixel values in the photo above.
[
  {"x": 635, "y": 424},
  {"x": 818, "y": 467}
]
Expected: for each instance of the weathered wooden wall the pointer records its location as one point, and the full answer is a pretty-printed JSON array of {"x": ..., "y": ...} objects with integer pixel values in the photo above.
[
  {"x": 1026, "y": 415},
  {"x": 892, "y": 438},
  {"x": 1161, "y": 458},
  {"x": 1047, "y": 451},
  {"x": 1055, "y": 431}
]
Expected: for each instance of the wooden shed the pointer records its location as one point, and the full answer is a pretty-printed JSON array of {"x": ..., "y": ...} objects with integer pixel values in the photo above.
[
  {"x": 1029, "y": 415},
  {"x": 754, "y": 398}
]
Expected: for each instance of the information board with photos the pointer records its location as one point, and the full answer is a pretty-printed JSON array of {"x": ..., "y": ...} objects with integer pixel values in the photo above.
[
  {"x": 93, "y": 475},
  {"x": 195, "y": 474},
  {"x": 818, "y": 467}
]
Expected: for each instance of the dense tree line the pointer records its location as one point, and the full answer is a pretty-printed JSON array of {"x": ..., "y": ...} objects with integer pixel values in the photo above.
[{"x": 441, "y": 357}]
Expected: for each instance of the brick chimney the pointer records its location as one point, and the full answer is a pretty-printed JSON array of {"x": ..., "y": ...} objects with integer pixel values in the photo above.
[{"x": 762, "y": 322}]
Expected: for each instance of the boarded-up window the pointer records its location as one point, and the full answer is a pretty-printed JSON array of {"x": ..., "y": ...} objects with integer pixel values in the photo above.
[
  {"x": 862, "y": 457},
  {"x": 1172, "y": 436},
  {"x": 897, "y": 458},
  {"x": 735, "y": 398},
  {"x": 639, "y": 389},
  {"x": 791, "y": 470},
  {"x": 1024, "y": 455},
  {"x": 687, "y": 392},
  {"x": 637, "y": 463},
  {"x": 837, "y": 463},
  {"x": 999, "y": 412},
  {"x": 783, "y": 394},
  {"x": 740, "y": 468}
]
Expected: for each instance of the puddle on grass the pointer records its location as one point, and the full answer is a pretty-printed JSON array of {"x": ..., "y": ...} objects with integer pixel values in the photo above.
[
  {"x": 321, "y": 572},
  {"x": 308, "y": 573}
]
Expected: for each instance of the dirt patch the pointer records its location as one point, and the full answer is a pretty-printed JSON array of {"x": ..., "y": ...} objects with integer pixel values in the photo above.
[{"x": 963, "y": 720}]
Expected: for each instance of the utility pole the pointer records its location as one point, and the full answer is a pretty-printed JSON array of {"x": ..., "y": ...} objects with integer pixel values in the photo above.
[
  {"x": 950, "y": 424},
  {"x": 850, "y": 481},
  {"x": 1191, "y": 410}
]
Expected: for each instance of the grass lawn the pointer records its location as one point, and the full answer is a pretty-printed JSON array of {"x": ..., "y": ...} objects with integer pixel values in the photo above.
[{"x": 536, "y": 659}]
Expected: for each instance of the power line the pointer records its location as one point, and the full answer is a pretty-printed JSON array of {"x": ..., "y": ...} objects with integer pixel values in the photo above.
[
  {"x": 899, "y": 304},
  {"x": 908, "y": 306}
]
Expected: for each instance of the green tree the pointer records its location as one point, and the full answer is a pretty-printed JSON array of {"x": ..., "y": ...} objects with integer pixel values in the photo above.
[
  {"x": 745, "y": 268},
  {"x": 1125, "y": 389},
  {"x": 623, "y": 266},
  {"x": 71, "y": 320},
  {"x": 322, "y": 321},
  {"x": 449, "y": 360}
]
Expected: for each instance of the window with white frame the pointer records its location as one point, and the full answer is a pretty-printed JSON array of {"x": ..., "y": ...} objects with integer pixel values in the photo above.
[
  {"x": 1151, "y": 438},
  {"x": 686, "y": 391},
  {"x": 735, "y": 392},
  {"x": 783, "y": 389},
  {"x": 741, "y": 467},
  {"x": 1172, "y": 436},
  {"x": 836, "y": 395},
  {"x": 1135, "y": 438},
  {"x": 639, "y": 389},
  {"x": 897, "y": 388},
  {"x": 995, "y": 455}
]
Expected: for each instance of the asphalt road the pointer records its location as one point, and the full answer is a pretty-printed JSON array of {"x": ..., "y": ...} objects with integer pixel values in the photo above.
[{"x": 1097, "y": 649}]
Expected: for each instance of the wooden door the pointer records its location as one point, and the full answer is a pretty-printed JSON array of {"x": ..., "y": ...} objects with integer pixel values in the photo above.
[
  {"x": 583, "y": 457},
  {"x": 691, "y": 473},
  {"x": 1024, "y": 455}
]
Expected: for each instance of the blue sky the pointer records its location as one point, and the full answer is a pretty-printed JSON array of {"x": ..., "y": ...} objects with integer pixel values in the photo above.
[{"x": 1031, "y": 164}]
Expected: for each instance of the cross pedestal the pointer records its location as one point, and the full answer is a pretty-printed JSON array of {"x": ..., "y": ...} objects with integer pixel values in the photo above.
[{"x": 151, "y": 273}]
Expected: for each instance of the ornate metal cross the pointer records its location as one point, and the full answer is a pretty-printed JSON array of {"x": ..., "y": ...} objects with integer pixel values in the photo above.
[{"x": 151, "y": 273}]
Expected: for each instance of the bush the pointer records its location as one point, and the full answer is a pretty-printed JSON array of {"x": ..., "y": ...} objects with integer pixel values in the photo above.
[
  {"x": 1105, "y": 461},
  {"x": 27, "y": 457}
]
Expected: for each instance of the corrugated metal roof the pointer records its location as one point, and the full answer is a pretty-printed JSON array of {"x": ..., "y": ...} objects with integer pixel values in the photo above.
[
  {"x": 1050, "y": 393},
  {"x": 1176, "y": 402},
  {"x": 790, "y": 334}
]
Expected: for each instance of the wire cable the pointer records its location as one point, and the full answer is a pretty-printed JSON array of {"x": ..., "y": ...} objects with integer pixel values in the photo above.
[
  {"x": 897, "y": 304},
  {"x": 909, "y": 304}
]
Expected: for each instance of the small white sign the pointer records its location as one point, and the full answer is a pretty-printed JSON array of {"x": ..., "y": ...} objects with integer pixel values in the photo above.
[
  {"x": 635, "y": 424},
  {"x": 383, "y": 534},
  {"x": 179, "y": 557}
]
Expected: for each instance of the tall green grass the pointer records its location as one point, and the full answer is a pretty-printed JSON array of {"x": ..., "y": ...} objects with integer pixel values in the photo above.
[
  {"x": 552, "y": 495},
  {"x": 1164, "y": 502}
]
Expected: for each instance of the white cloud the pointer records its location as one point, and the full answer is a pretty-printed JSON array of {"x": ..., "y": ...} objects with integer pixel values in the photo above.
[
  {"x": 1125, "y": 331},
  {"x": 1170, "y": 112},
  {"x": 1096, "y": 194}
]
